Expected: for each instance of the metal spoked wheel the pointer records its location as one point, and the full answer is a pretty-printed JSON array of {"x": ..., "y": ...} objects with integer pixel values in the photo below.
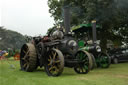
[
  {"x": 104, "y": 60},
  {"x": 85, "y": 67},
  {"x": 28, "y": 58},
  {"x": 54, "y": 64}
]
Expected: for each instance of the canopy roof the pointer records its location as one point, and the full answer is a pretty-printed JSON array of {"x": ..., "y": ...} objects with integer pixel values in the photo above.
[{"x": 84, "y": 27}]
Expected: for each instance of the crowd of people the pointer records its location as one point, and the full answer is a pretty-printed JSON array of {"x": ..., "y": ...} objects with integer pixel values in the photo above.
[
  {"x": 3, "y": 54},
  {"x": 6, "y": 54}
]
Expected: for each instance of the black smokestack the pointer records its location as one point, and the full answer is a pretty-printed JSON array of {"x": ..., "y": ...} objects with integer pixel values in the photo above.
[
  {"x": 94, "y": 31},
  {"x": 67, "y": 19}
]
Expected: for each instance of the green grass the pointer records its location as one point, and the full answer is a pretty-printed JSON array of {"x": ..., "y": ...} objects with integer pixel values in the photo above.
[{"x": 115, "y": 75}]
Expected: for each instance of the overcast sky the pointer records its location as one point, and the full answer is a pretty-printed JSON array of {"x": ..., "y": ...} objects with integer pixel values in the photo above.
[{"x": 29, "y": 17}]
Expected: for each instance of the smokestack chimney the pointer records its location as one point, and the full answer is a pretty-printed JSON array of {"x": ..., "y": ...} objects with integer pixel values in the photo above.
[
  {"x": 66, "y": 19},
  {"x": 94, "y": 31}
]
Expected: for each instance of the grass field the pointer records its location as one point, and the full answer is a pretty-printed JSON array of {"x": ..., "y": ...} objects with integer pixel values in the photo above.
[{"x": 115, "y": 75}]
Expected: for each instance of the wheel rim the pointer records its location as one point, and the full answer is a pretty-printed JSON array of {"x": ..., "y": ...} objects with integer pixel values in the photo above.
[
  {"x": 54, "y": 65},
  {"x": 104, "y": 60},
  {"x": 82, "y": 68},
  {"x": 24, "y": 59}
]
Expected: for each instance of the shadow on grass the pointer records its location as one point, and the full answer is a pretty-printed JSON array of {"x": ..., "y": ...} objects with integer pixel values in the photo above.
[
  {"x": 40, "y": 70},
  {"x": 68, "y": 74}
]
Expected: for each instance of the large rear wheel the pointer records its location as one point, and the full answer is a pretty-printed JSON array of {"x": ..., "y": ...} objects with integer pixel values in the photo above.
[
  {"x": 28, "y": 58},
  {"x": 54, "y": 63},
  {"x": 85, "y": 67}
]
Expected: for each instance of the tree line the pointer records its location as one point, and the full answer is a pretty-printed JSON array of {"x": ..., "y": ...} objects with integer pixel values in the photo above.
[
  {"x": 111, "y": 15},
  {"x": 10, "y": 39}
]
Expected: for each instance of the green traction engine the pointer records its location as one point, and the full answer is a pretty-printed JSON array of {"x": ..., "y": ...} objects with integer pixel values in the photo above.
[{"x": 87, "y": 40}]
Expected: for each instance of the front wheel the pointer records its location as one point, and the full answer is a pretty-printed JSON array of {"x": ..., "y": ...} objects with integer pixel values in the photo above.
[
  {"x": 85, "y": 67},
  {"x": 104, "y": 60},
  {"x": 54, "y": 63}
]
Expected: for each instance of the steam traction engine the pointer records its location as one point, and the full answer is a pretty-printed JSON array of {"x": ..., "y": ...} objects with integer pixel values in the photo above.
[
  {"x": 87, "y": 41},
  {"x": 54, "y": 52}
]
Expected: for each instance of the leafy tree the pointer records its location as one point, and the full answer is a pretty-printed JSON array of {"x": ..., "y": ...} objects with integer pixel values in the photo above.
[
  {"x": 108, "y": 13},
  {"x": 10, "y": 39}
]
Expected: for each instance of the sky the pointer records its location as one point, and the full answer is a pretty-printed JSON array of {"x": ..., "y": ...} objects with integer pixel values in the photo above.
[{"x": 29, "y": 17}]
